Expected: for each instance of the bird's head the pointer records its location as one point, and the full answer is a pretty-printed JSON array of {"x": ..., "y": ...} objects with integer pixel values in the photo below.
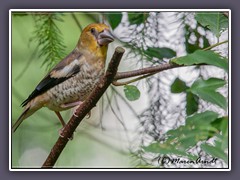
[{"x": 95, "y": 38}]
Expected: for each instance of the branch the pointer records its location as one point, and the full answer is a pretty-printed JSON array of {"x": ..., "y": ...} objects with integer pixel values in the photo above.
[
  {"x": 215, "y": 45},
  {"x": 76, "y": 21},
  {"x": 116, "y": 83},
  {"x": 143, "y": 71},
  {"x": 84, "y": 108}
]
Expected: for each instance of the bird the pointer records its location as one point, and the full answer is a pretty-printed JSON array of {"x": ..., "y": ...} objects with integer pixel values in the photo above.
[{"x": 71, "y": 81}]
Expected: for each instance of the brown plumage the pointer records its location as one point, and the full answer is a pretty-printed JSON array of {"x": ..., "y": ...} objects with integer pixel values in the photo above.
[{"x": 72, "y": 79}]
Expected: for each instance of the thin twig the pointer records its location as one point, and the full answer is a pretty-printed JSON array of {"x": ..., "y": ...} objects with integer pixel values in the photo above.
[
  {"x": 215, "y": 45},
  {"x": 27, "y": 64},
  {"x": 115, "y": 83},
  {"x": 143, "y": 71},
  {"x": 85, "y": 107},
  {"x": 116, "y": 115},
  {"x": 76, "y": 21},
  {"x": 125, "y": 101}
]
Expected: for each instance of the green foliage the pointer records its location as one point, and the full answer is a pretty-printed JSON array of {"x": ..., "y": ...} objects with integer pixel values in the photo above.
[
  {"x": 214, "y": 21},
  {"x": 214, "y": 151},
  {"x": 178, "y": 86},
  {"x": 192, "y": 103},
  {"x": 222, "y": 125},
  {"x": 114, "y": 18},
  {"x": 159, "y": 53},
  {"x": 131, "y": 92},
  {"x": 137, "y": 17},
  {"x": 48, "y": 37},
  {"x": 206, "y": 89},
  {"x": 167, "y": 149},
  {"x": 203, "y": 57},
  {"x": 198, "y": 127}
]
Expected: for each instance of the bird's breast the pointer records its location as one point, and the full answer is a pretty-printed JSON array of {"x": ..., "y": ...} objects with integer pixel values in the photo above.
[{"x": 76, "y": 88}]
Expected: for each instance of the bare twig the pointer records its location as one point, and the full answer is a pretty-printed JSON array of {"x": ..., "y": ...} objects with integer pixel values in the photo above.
[
  {"x": 143, "y": 71},
  {"x": 215, "y": 45},
  {"x": 27, "y": 65},
  {"x": 115, "y": 83},
  {"x": 76, "y": 21},
  {"x": 85, "y": 107}
]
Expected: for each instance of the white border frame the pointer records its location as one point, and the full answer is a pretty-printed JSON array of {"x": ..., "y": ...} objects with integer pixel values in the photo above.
[{"x": 114, "y": 10}]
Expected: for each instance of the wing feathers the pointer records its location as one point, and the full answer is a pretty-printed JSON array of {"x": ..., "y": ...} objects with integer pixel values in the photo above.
[
  {"x": 67, "y": 70},
  {"x": 64, "y": 70}
]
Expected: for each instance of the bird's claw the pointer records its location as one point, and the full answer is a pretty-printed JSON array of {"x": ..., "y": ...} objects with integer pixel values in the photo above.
[
  {"x": 60, "y": 132},
  {"x": 88, "y": 114},
  {"x": 75, "y": 115}
]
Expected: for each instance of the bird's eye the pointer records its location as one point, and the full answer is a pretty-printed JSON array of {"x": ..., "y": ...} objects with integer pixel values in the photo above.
[{"x": 93, "y": 30}]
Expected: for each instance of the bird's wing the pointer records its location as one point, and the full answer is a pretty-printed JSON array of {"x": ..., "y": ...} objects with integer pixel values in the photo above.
[{"x": 64, "y": 70}]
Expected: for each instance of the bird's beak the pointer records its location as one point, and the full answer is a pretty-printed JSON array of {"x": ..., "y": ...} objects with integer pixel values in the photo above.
[{"x": 105, "y": 37}]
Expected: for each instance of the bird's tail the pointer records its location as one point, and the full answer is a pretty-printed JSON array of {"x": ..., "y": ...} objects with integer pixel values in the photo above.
[{"x": 26, "y": 113}]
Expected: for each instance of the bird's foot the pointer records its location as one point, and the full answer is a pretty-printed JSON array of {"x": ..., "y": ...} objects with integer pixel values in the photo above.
[
  {"x": 75, "y": 114},
  {"x": 60, "y": 132}
]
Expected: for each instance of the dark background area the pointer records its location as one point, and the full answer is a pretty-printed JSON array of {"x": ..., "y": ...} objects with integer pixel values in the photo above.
[{"x": 62, "y": 4}]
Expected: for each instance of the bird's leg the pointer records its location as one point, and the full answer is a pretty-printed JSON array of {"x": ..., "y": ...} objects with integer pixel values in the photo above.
[
  {"x": 72, "y": 104},
  {"x": 63, "y": 124},
  {"x": 60, "y": 118},
  {"x": 75, "y": 105}
]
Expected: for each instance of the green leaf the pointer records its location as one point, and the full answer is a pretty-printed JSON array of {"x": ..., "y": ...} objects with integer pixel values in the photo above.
[
  {"x": 211, "y": 83},
  {"x": 137, "y": 17},
  {"x": 214, "y": 21},
  {"x": 192, "y": 103},
  {"x": 114, "y": 18},
  {"x": 221, "y": 124},
  {"x": 159, "y": 53},
  {"x": 178, "y": 86},
  {"x": 213, "y": 97},
  {"x": 197, "y": 128},
  {"x": 192, "y": 137},
  {"x": 222, "y": 141},
  {"x": 167, "y": 149},
  {"x": 201, "y": 118},
  {"x": 202, "y": 57},
  {"x": 206, "y": 90},
  {"x": 131, "y": 92},
  {"x": 215, "y": 152}
]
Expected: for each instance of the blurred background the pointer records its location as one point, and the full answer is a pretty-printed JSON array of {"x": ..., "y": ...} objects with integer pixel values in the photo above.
[{"x": 129, "y": 122}]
